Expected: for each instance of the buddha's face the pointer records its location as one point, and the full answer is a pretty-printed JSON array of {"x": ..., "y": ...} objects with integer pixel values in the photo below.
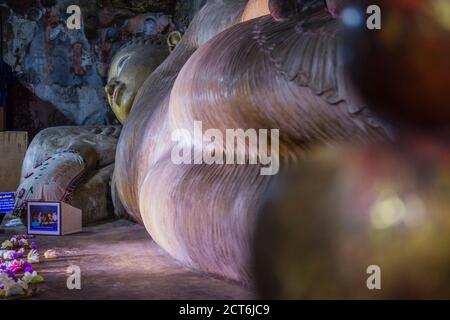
[{"x": 129, "y": 69}]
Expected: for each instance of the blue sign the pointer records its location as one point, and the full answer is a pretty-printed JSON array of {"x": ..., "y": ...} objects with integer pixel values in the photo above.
[{"x": 6, "y": 202}]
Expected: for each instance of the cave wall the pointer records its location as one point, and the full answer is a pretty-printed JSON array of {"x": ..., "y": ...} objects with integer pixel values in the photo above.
[{"x": 59, "y": 74}]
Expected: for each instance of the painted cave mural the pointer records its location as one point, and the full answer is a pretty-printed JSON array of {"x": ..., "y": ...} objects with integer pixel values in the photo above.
[{"x": 56, "y": 70}]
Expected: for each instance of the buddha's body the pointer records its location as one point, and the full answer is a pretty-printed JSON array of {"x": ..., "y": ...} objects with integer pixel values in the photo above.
[{"x": 257, "y": 74}]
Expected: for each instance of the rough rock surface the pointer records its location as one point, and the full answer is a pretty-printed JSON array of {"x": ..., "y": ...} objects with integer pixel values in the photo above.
[{"x": 63, "y": 71}]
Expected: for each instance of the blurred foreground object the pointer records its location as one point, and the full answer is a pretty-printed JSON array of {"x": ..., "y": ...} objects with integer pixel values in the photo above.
[
  {"x": 402, "y": 69},
  {"x": 13, "y": 146},
  {"x": 348, "y": 219},
  {"x": 343, "y": 211}
]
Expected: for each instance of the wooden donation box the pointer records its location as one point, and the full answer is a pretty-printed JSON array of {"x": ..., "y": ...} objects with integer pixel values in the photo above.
[
  {"x": 53, "y": 218},
  {"x": 13, "y": 146}
]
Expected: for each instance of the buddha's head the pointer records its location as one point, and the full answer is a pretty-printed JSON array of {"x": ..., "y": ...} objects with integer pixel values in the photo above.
[{"x": 130, "y": 68}]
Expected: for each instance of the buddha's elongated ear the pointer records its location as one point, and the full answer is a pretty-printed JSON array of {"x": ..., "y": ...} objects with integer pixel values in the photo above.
[{"x": 173, "y": 39}]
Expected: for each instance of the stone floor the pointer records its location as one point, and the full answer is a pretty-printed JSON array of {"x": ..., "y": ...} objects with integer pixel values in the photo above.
[{"x": 118, "y": 260}]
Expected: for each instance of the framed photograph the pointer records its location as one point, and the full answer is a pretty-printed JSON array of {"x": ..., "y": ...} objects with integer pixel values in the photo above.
[{"x": 44, "y": 218}]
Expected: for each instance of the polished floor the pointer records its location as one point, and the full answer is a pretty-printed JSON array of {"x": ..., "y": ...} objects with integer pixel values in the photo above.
[{"x": 118, "y": 260}]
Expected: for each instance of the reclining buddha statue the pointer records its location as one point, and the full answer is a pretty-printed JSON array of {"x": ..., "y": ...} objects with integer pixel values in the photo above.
[
  {"x": 241, "y": 65},
  {"x": 75, "y": 164}
]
